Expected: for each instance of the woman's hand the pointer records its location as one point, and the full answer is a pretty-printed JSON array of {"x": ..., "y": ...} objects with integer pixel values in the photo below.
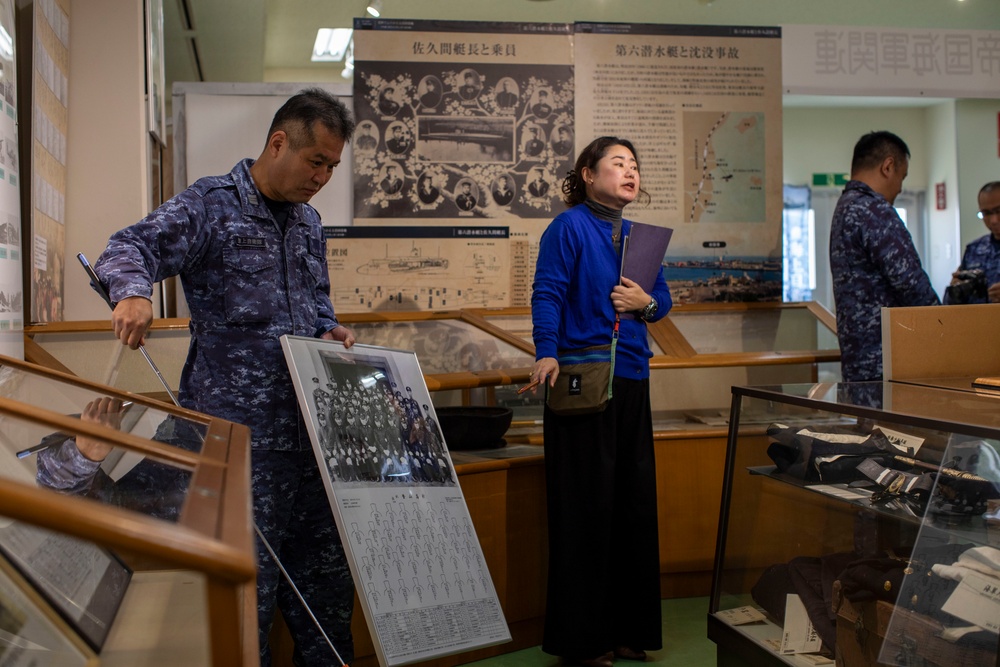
[
  {"x": 545, "y": 369},
  {"x": 629, "y": 296}
]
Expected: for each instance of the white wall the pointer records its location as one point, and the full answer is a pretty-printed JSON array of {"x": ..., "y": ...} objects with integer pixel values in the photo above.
[
  {"x": 821, "y": 140},
  {"x": 106, "y": 186},
  {"x": 977, "y": 123},
  {"x": 942, "y": 226}
]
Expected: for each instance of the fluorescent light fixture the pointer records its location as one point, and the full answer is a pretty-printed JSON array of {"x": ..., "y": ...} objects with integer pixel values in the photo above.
[
  {"x": 6, "y": 45},
  {"x": 331, "y": 44},
  {"x": 375, "y": 8}
]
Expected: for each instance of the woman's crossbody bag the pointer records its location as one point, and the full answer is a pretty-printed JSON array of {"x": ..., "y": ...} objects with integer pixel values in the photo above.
[{"x": 585, "y": 379}]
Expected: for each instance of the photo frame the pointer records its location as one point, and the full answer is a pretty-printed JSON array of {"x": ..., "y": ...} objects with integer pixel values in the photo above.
[
  {"x": 155, "y": 74},
  {"x": 394, "y": 493},
  {"x": 82, "y": 582},
  {"x": 33, "y": 633}
]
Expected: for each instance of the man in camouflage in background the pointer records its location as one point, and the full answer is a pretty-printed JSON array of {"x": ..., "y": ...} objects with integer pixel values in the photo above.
[
  {"x": 872, "y": 258},
  {"x": 251, "y": 256},
  {"x": 984, "y": 252}
]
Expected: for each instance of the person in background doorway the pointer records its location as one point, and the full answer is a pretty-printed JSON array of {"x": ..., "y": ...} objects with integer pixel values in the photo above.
[{"x": 872, "y": 257}]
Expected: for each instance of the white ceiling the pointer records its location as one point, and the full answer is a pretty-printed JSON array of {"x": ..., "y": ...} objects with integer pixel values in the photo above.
[
  {"x": 240, "y": 40},
  {"x": 237, "y": 40}
]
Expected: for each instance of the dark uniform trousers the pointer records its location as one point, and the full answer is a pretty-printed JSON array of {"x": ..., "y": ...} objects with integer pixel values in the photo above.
[
  {"x": 604, "y": 565},
  {"x": 291, "y": 509}
]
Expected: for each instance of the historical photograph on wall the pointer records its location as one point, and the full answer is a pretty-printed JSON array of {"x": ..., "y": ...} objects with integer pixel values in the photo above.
[
  {"x": 703, "y": 106},
  {"x": 417, "y": 563},
  {"x": 461, "y": 120},
  {"x": 49, "y": 123},
  {"x": 417, "y": 268},
  {"x": 11, "y": 255}
]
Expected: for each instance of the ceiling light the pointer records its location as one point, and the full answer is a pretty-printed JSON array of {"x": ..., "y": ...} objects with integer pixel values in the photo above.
[
  {"x": 375, "y": 8},
  {"x": 6, "y": 45},
  {"x": 331, "y": 44}
]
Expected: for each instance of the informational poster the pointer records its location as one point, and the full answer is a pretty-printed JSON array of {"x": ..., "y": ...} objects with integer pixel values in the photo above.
[
  {"x": 465, "y": 123},
  {"x": 418, "y": 268},
  {"x": 477, "y": 121},
  {"x": 50, "y": 99},
  {"x": 702, "y": 104},
  {"x": 11, "y": 255},
  {"x": 417, "y": 563}
]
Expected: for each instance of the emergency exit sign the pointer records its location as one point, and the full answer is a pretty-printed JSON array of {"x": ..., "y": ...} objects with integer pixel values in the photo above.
[{"x": 830, "y": 180}]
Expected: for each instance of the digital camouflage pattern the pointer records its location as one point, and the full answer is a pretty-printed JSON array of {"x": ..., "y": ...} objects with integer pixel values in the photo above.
[
  {"x": 874, "y": 265},
  {"x": 248, "y": 282},
  {"x": 983, "y": 253}
]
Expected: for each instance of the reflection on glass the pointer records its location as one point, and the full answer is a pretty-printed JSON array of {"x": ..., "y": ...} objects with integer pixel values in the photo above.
[
  {"x": 93, "y": 468},
  {"x": 517, "y": 325},
  {"x": 762, "y": 330},
  {"x": 444, "y": 346}
]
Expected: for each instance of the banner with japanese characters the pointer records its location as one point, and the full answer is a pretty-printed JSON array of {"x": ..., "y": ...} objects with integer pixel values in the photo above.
[
  {"x": 702, "y": 104},
  {"x": 915, "y": 62}
]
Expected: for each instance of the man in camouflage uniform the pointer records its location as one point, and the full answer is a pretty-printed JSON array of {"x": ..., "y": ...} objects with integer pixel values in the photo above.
[
  {"x": 251, "y": 256},
  {"x": 872, "y": 258},
  {"x": 984, "y": 252}
]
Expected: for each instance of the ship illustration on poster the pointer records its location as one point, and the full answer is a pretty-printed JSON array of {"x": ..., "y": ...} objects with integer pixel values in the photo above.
[
  {"x": 414, "y": 262},
  {"x": 402, "y": 296},
  {"x": 723, "y": 279}
]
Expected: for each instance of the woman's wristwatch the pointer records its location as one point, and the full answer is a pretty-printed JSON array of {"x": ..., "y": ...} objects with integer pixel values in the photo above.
[{"x": 650, "y": 310}]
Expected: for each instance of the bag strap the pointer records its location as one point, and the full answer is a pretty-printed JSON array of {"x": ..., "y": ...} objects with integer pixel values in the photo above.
[{"x": 614, "y": 345}]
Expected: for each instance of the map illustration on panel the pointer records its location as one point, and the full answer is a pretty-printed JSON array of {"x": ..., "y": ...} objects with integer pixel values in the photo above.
[{"x": 724, "y": 169}]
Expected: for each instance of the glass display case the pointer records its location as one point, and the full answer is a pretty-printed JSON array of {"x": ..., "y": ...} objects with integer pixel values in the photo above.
[
  {"x": 129, "y": 520},
  {"x": 860, "y": 522},
  {"x": 480, "y": 356}
]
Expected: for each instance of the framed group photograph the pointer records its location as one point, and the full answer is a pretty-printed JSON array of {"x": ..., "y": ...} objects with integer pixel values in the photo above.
[{"x": 413, "y": 551}]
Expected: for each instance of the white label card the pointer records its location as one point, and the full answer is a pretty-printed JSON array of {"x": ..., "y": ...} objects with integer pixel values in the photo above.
[
  {"x": 976, "y": 600},
  {"x": 799, "y": 635},
  {"x": 740, "y": 615},
  {"x": 902, "y": 441}
]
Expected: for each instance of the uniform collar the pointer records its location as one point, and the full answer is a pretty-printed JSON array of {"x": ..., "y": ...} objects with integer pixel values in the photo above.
[{"x": 251, "y": 199}]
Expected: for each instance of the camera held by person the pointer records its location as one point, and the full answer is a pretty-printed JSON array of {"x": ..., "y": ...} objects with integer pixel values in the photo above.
[{"x": 969, "y": 285}]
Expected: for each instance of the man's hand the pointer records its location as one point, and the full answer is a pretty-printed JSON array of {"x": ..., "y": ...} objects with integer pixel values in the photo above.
[
  {"x": 994, "y": 293},
  {"x": 341, "y": 333},
  {"x": 629, "y": 296},
  {"x": 131, "y": 319},
  {"x": 106, "y": 411}
]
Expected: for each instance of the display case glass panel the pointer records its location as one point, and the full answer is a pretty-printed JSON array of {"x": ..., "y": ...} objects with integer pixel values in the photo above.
[
  {"x": 99, "y": 356},
  {"x": 444, "y": 345},
  {"x": 839, "y": 496},
  {"x": 752, "y": 330}
]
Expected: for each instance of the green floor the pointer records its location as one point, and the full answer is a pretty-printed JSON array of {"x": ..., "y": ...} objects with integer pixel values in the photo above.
[{"x": 685, "y": 643}]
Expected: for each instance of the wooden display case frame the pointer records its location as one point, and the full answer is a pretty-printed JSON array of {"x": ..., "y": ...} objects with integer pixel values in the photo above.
[{"x": 212, "y": 541}]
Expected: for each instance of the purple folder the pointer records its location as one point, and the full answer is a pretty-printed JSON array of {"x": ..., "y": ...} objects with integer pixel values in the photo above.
[{"x": 643, "y": 252}]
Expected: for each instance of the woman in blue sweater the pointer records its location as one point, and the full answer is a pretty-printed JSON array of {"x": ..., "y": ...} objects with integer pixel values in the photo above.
[{"x": 603, "y": 591}]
